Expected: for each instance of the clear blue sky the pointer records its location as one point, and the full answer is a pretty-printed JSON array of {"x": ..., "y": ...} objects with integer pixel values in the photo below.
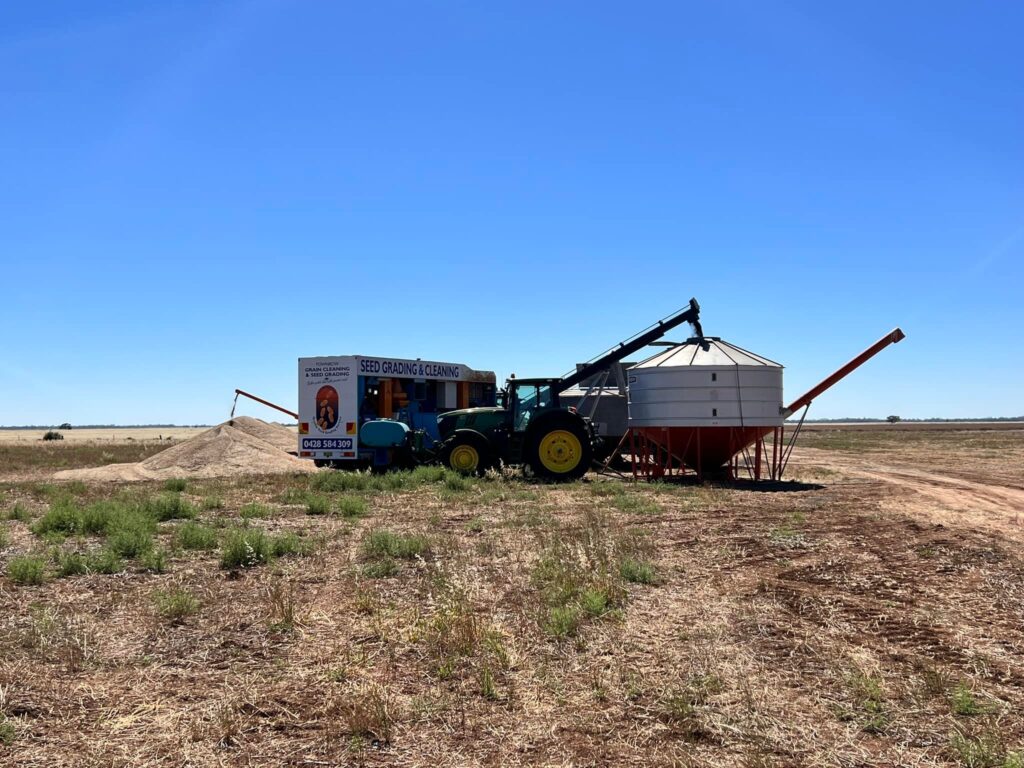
[{"x": 193, "y": 195}]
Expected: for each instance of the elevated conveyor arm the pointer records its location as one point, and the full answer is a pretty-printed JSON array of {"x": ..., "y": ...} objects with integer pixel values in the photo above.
[
  {"x": 623, "y": 350},
  {"x": 259, "y": 400},
  {"x": 892, "y": 337}
]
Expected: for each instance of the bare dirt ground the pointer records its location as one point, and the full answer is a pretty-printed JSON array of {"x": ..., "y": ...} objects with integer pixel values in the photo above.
[
  {"x": 968, "y": 478},
  {"x": 869, "y": 615}
]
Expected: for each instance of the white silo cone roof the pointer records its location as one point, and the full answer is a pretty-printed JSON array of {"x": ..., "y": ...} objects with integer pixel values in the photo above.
[{"x": 710, "y": 350}]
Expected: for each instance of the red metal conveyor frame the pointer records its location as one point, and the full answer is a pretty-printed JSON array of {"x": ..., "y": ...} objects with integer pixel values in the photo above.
[{"x": 780, "y": 450}]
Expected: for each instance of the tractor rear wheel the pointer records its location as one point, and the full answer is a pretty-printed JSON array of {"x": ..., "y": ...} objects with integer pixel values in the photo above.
[
  {"x": 559, "y": 447},
  {"x": 467, "y": 453}
]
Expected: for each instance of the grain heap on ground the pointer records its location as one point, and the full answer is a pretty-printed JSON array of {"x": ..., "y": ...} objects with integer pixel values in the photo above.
[{"x": 242, "y": 446}]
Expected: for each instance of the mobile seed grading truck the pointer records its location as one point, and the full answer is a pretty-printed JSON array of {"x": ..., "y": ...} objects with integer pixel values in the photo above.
[{"x": 357, "y": 411}]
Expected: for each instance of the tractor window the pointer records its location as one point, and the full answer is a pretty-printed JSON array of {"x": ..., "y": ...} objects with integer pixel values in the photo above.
[
  {"x": 543, "y": 398},
  {"x": 528, "y": 401}
]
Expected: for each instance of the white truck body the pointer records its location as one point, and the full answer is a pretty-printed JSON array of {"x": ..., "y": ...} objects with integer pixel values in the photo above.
[{"x": 331, "y": 389}]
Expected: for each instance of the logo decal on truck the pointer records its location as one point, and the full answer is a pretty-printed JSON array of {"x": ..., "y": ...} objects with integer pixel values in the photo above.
[{"x": 327, "y": 408}]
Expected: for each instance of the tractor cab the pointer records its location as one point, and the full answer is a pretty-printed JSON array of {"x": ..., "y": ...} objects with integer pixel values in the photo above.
[
  {"x": 526, "y": 398},
  {"x": 518, "y": 403}
]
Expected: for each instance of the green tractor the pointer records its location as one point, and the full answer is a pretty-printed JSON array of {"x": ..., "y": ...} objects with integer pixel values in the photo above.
[{"x": 530, "y": 427}]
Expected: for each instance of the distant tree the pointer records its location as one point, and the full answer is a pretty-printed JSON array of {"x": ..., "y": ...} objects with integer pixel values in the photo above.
[
  {"x": 65, "y": 425},
  {"x": 892, "y": 419}
]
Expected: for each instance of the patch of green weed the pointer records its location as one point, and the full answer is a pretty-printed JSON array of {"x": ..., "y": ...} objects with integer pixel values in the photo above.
[
  {"x": 131, "y": 542},
  {"x": 635, "y": 503},
  {"x": 105, "y": 560},
  {"x": 254, "y": 510},
  {"x": 155, "y": 560},
  {"x": 71, "y": 564},
  {"x": 169, "y": 506},
  {"x": 175, "y": 605},
  {"x": 383, "y": 568},
  {"x": 20, "y": 512},
  {"x": 638, "y": 571},
  {"x": 985, "y": 750},
  {"x": 870, "y": 701},
  {"x": 457, "y": 483},
  {"x": 562, "y": 621},
  {"x": 7, "y": 731},
  {"x": 213, "y": 502},
  {"x": 27, "y": 570},
  {"x": 247, "y": 547},
  {"x": 964, "y": 703},
  {"x": 293, "y": 495},
  {"x": 289, "y": 544},
  {"x": 595, "y": 602},
  {"x": 352, "y": 506},
  {"x": 244, "y": 548},
  {"x": 63, "y": 516},
  {"x": 192, "y": 535},
  {"x": 383, "y": 543},
  {"x": 318, "y": 505}
]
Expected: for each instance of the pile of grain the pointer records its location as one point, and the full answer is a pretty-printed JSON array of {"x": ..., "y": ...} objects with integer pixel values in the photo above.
[{"x": 242, "y": 446}]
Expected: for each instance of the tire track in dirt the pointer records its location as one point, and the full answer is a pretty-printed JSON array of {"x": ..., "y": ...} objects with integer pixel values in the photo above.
[{"x": 952, "y": 501}]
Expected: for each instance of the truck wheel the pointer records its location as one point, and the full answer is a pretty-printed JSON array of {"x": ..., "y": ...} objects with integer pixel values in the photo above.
[
  {"x": 560, "y": 448},
  {"x": 467, "y": 453}
]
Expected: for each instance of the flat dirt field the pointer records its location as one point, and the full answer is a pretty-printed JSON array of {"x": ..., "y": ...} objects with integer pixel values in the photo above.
[
  {"x": 102, "y": 434},
  {"x": 870, "y": 614}
]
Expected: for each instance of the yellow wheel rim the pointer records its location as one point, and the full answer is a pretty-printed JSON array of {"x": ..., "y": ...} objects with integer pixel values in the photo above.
[
  {"x": 560, "y": 451},
  {"x": 464, "y": 458}
]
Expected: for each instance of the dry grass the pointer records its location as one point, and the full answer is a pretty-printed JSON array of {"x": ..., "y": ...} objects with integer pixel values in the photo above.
[
  {"x": 34, "y": 459},
  {"x": 108, "y": 435},
  {"x": 519, "y": 624}
]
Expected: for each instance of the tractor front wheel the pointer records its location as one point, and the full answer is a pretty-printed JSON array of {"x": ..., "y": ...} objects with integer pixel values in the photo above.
[
  {"x": 560, "y": 448},
  {"x": 467, "y": 453}
]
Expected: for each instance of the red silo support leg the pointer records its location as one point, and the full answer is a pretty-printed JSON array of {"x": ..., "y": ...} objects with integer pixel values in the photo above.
[
  {"x": 757, "y": 458},
  {"x": 782, "y": 453},
  {"x": 700, "y": 473},
  {"x": 775, "y": 448},
  {"x": 686, "y": 450},
  {"x": 734, "y": 464},
  {"x": 668, "y": 457}
]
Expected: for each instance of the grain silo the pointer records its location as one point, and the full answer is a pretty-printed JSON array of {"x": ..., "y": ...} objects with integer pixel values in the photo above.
[
  {"x": 707, "y": 398},
  {"x": 703, "y": 403}
]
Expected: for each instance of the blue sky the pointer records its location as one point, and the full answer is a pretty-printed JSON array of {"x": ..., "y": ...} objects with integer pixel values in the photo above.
[{"x": 195, "y": 194}]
